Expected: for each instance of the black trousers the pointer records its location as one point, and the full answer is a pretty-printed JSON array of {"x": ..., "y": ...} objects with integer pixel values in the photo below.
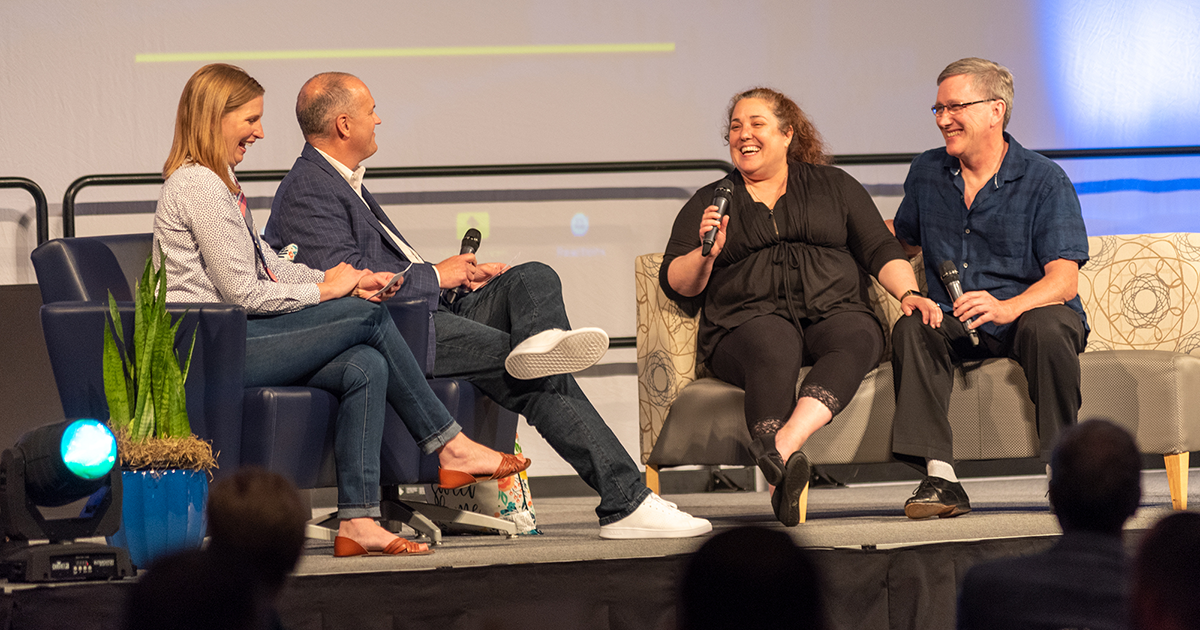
[
  {"x": 764, "y": 357},
  {"x": 1045, "y": 342}
]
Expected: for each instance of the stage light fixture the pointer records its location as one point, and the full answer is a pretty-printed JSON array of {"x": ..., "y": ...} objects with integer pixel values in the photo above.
[{"x": 53, "y": 466}]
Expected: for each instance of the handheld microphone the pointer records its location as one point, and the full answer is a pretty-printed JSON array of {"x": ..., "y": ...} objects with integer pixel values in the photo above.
[
  {"x": 950, "y": 278},
  {"x": 721, "y": 201},
  {"x": 470, "y": 244}
]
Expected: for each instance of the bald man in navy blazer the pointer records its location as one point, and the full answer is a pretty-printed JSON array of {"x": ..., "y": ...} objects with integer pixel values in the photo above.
[{"x": 506, "y": 330}]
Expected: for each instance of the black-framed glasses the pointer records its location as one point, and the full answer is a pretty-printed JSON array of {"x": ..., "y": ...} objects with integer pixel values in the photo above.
[{"x": 957, "y": 107}]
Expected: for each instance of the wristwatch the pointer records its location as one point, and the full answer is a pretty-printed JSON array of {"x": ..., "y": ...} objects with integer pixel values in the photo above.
[{"x": 911, "y": 292}]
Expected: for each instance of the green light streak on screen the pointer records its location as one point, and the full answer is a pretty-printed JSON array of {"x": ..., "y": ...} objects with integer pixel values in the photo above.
[{"x": 443, "y": 51}]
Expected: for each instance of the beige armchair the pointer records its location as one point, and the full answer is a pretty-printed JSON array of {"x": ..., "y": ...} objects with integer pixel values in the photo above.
[{"x": 1141, "y": 369}]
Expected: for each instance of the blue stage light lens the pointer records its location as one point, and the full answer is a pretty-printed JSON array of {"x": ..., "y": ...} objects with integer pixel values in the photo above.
[{"x": 89, "y": 449}]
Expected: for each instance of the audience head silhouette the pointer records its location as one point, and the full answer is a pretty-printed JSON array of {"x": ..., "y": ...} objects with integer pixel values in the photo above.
[
  {"x": 256, "y": 525},
  {"x": 191, "y": 590},
  {"x": 258, "y": 517},
  {"x": 1166, "y": 595},
  {"x": 1095, "y": 477},
  {"x": 750, "y": 577}
]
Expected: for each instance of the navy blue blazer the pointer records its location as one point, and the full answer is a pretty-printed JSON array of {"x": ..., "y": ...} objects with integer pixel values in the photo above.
[{"x": 315, "y": 208}]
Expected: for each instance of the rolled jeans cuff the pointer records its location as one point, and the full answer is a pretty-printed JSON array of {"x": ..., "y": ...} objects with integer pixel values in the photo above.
[
  {"x": 359, "y": 511},
  {"x": 639, "y": 498},
  {"x": 440, "y": 438}
]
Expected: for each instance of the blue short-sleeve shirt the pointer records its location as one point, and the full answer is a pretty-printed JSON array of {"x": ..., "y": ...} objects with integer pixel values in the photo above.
[{"x": 1025, "y": 217}]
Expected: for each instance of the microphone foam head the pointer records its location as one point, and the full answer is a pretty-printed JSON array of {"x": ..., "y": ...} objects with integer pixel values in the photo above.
[
  {"x": 949, "y": 271},
  {"x": 724, "y": 188},
  {"x": 472, "y": 234}
]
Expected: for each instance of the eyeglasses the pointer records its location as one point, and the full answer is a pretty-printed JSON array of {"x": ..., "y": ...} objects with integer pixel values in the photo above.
[{"x": 958, "y": 107}]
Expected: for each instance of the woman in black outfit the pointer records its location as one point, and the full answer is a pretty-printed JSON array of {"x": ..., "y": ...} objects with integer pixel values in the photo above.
[{"x": 785, "y": 284}]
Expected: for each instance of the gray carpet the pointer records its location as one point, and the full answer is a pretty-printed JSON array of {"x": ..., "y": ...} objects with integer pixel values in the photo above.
[{"x": 854, "y": 516}]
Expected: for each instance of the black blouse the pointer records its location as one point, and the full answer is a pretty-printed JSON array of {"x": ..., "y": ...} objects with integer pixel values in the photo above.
[{"x": 805, "y": 260}]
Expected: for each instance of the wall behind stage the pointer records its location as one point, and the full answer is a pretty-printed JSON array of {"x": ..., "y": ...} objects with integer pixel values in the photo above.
[{"x": 91, "y": 87}]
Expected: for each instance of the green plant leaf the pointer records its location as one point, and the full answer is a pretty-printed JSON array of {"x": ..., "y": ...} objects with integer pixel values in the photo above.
[
  {"x": 151, "y": 367},
  {"x": 175, "y": 422},
  {"x": 116, "y": 382},
  {"x": 187, "y": 363}
]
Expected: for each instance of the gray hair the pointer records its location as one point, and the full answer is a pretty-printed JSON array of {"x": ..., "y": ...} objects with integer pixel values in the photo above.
[
  {"x": 989, "y": 78},
  {"x": 323, "y": 98}
]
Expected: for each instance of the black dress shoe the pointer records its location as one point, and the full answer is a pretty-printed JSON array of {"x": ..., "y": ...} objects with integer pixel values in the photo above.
[
  {"x": 769, "y": 461},
  {"x": 937, "y": 497},
  {"x": 785, "y": 501}
]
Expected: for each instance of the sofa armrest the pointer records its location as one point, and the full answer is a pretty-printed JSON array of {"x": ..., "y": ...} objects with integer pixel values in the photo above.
[
  {"x": 74, "y": 333},
  {"x": 666, "y": 350},
  {"x": 414, "y": 322}
]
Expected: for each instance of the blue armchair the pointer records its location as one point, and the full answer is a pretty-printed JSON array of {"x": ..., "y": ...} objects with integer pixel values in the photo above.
[{"x": 285, "y": 429}]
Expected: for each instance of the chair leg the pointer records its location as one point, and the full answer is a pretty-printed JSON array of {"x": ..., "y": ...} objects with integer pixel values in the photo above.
[
  {"x": 1177, "y": 478},
  {"x": 323, "y": 527},
  {"x": 652, "y": 478},
  {"x": 804, "y": 503},
  {"x": 397, "y": 512}
]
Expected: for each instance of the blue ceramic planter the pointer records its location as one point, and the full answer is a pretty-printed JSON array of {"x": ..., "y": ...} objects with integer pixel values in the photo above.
[{"x": 161, "y": 511}]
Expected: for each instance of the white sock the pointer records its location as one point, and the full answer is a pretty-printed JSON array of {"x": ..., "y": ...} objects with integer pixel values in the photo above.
[
  {"x": 1047, "y": 472},
  {"x": 939, "y": 468}
]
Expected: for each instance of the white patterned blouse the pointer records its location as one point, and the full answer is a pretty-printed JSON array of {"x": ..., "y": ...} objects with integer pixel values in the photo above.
[{"x": 210, "y": 254}]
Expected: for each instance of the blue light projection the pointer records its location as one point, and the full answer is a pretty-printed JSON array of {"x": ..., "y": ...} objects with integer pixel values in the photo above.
[{"x": 1126, "y": 73}]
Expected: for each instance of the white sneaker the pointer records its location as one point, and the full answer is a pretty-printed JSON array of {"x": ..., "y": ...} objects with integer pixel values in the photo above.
[
  {"x": 556, "y": 351},
  {"x": 656, "y": 518}
]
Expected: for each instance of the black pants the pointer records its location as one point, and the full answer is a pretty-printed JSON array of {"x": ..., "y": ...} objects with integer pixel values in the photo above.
[
  {"x": 1045, "y": 342},
  {"x": 764, "y": 357}
]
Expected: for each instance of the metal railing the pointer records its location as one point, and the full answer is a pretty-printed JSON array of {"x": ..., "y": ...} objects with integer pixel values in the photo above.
[
  {"x": 412, "y": 172},
  {"x": 865, "y": 159},
  {"x": 40, "y": 207}
]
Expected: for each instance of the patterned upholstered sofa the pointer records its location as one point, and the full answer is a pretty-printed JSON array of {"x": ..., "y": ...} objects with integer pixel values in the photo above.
[{"x": 1141, "y": 369}]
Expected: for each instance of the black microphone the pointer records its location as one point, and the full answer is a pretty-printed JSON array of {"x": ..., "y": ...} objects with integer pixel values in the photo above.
[
  {"x": 470, "y": 244},
  {"x": 721, "y": 201},
  {"x": 954, "y": 288}
]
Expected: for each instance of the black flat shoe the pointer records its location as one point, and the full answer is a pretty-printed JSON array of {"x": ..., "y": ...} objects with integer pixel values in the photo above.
[
  {"x": 769, "y": 461},
  {"x": 937, "y": 497},
  {"x": 785, "y": 501}
]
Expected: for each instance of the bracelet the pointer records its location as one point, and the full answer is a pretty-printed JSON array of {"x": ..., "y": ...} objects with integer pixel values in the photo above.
[{"x": 911, "y": 292}]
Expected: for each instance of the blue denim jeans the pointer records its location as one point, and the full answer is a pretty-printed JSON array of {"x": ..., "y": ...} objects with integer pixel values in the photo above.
[
  {"x": 351, "y": 348},
  {"x": 475, "y": 335}
]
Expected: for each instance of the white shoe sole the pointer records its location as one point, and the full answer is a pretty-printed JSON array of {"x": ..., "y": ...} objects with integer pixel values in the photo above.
[
  {"x": 575, "y": 351},
  {"x": 631, "y": 533}
]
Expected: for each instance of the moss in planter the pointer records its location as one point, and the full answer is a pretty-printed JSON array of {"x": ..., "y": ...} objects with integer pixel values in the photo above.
[{"x": 189, "y": 453}]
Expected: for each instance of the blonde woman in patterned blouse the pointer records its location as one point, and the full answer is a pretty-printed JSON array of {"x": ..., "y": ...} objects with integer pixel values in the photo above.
[{"x": 307, "y": 327}]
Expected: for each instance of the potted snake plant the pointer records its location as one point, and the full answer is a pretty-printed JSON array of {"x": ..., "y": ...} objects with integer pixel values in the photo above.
[{"x": 165, "y": 467}]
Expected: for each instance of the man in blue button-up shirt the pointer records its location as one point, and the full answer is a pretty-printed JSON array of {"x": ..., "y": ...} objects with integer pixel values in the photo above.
[{"x": 1008, "y": 220}]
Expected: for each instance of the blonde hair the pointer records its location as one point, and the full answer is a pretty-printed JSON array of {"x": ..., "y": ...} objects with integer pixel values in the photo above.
[{"x": 212, "y": 92}]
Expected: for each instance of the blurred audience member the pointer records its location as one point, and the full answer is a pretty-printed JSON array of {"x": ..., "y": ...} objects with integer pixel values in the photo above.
[
  {"x": 1082, "y": 581},
  {"x": 193, "y": 590},
  {"x": 257, "y": 518},
  {"x": 750, "y": 577},
  {"x": 1166, "y": 595},
  {"x": 256, "y": 525}
]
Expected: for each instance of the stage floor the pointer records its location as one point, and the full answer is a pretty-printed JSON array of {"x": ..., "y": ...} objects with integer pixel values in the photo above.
[
  {"x": 856, "y": 516},
  {"x": 879, "y": 569}
]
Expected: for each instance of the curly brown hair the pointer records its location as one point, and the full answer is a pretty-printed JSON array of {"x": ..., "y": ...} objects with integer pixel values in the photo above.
[{"x": 807, "y": 144}]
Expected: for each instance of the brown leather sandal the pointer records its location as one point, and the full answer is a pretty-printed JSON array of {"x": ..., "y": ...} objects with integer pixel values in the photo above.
[
  {"x": 509, "y": 465},
  {"x": 344, "y": 547}
]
